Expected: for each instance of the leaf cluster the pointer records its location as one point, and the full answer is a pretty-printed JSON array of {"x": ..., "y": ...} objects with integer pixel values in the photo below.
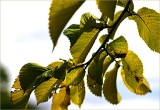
[{"x": 64, "y": 80}]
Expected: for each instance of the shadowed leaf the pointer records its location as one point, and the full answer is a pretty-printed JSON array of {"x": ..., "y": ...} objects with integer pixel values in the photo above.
[{"x": 110, "y": 87}]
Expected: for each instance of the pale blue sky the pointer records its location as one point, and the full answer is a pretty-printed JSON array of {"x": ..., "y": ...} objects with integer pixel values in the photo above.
[{"x": 25, "y": 38}]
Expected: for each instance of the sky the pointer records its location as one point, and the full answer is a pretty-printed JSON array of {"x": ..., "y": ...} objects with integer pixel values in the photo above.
[{"x": 25, "y": 38}]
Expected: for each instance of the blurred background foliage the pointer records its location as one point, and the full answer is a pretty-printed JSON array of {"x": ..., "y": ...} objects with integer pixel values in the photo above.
[{"x": 5, "y": 102}]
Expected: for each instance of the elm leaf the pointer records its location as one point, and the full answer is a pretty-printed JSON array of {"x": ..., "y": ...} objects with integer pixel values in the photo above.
[
  {"x": 60, "y": 13},
  {"x": 148, "y": 24}
]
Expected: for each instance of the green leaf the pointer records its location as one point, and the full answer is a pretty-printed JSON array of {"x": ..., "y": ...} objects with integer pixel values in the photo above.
[
  {"x": 83, "y": 45},
  {"x": 59, "y": 69},
  {"x": 60, "y": 13},
  {"x": 73, "y": 32},
  {"x": 54, "y": 65},
  {"x": 112, "y": 22},
  {"x": 133, "y": 74},
  {"x": 142, "y": 87},
  {"x": 61, "y": 100},
  {"x": 18, "y": 97},
  {"x": 148, "y": 21},
  {"x": 44, "y": 90},
  {"x": 88, "y": 22},
  {"x": 28, "y": 73},
  {"x": 60, "y": 72},
  {"x": 102, "y": 38},
  {"x": 107, "y": 8},
  {"x": 110, "y": 87},
  {"x": 16, "y": 84},
  {"x": 95, "y": 68},
  {"x": 106, "y": 63},
  {"x": 75, "y": 76},
  {"x": 123, "y": 3},
  {"x": 77, "y": 93},
  {"x": 94, "y": 86},
  {"x": 119, "y": 46},
  {"x": 95, "y": 75}
]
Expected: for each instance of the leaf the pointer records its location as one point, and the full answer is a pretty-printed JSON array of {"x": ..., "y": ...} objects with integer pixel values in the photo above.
[
  {"x": 88, "y": 22},
  {"x": 106, "y": 63},
  {"x": 60, "y": 72},
  {"x": 107, "y": 8},
  {"x": 77, "y": 93},
  {"x": 95, "y": 68},
  {"x": 44, "y": 90},
  {"x": 60, "y": 13},
  {"x": 73, "y": 32},
  {"x": 28, "y": 73},
  {"x": 16, "y": 84},
  {"x": 83, "y": 45},
  {"x": 110, "y": 87},
  {"x": 133, "y": 74},
  {"x": 61, "y": 100},
  {"x": 112, "y": 22},
  {"x": 123, "y": 3},
  {"x": 94, "y": 86},
  {"x": 141, "y": 89},
  {"x": 119, "y": 46},
  {"x": 75, "y": 76},
  {"x": 102, "y": 38},
  {"x": 54, "y": 65},
  {"x": 18, "y": 97},
  {"x": 59, "y": 69},
  {"x": 148, "y": 21}
]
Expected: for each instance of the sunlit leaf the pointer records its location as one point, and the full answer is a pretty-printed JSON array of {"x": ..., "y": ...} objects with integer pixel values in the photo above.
[
  {"x": 94, "y": 86},
  {"x": 148, "y": 23},
  {"x": 102, "y": 38},
  {"x": 16, "y": 84},
  {"x": 119, "y": 46},
  {"x": 75, "y": 76},
  {"x": 44, "y": 90},
  {"x": 60, "y": 13},
  {"x": 77, "y": 93},
  {"x": 142, "y": 88},
  {"x": 123, "y": 3},
  {"x": 28, "y": 73},
  {"x": 20, "y": 98},
  {"x": 61, "y": 100},
  {"x": 133, "y": 74},
  {"x": 73, "y": 32},
  {"x": 110, "y": 87},
  {"x": 83, "y": 45},
  {"x": 107, "y": 8},
  {"x": 111, "y": 23}
]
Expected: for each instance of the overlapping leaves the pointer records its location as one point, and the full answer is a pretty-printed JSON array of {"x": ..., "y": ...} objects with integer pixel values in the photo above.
[{"x": 60, "y": 13}]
